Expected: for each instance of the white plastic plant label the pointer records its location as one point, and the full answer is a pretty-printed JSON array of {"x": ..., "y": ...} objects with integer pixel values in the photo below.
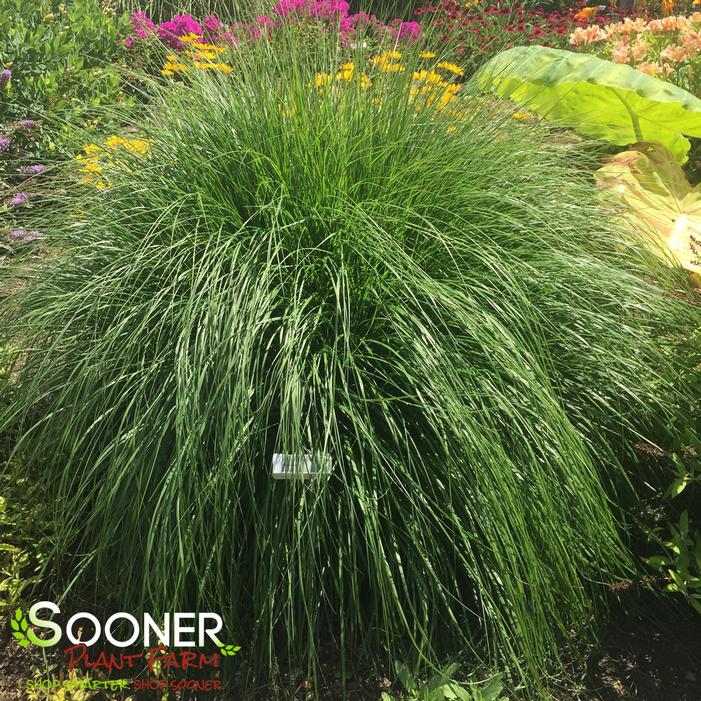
[{"x": 301, "y": 465}]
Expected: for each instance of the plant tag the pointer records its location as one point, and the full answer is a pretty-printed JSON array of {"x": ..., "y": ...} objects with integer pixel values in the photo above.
[{"x": 289, "y": 466}]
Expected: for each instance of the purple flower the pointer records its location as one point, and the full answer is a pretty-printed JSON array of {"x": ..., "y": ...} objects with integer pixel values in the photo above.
[
  {"x": 182, "y": 25},
  {"x": 168, "y": 34},
  {"x": 212, "y": 23},
  {"x": 187, "y": 24},
  {"x": 26, "y": 124},
  {"x": 285, "y": 7},
  {"x": 32, "y": 170},
  {"x": 22, "y": 236},
  {"x": 406, "y": 30},
  {"x": 5, "y": 143},
  {"x": 143, "y": 25},
  {"x": 19, "y": 199},
  {"x": 5, "y": 78},
  {"x": 320, "y": 9},
  {"x": 329, "y": 9},
  {"x": 358, "y": 21},
  {"x": 225, "y": 37}
]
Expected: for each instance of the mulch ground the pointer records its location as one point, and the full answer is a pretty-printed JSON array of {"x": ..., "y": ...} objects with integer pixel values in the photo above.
[{"x": 650, "y": 651}]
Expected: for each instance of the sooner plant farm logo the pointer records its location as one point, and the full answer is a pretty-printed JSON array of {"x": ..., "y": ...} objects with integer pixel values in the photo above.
[
  {"x": 176, "y": 642},
  {"x": 205, "y": 626}
]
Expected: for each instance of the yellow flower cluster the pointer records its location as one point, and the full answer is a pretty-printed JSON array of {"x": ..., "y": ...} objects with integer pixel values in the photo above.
[
  {"x": 203, "y": 56},
  {"x": 174, "y": 65},
  {"x": 346, "y": 73},
  {"x": 94, "y": 156},
  {"x": 433, "y": 88},
  {"x": 453, "y": 68},
  {"x": 428, "y": 87},
  {"x": 388, "y": 61}
]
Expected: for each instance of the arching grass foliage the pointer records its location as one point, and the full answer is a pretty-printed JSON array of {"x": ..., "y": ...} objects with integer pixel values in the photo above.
[{"x": 307, "y": 260}]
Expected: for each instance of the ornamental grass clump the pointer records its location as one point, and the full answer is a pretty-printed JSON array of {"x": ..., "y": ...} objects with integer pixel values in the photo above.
[{"x": 319, "y": 254}]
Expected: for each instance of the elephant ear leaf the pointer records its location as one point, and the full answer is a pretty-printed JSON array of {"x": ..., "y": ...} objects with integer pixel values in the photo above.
[
  {"x": 600, "y": 99},
  {"x": 658, "y": 201}
]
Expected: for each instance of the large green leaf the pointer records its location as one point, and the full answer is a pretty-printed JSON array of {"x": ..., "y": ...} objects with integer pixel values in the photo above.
[
  {"x": 659, "y": 201},
  {"x": 604, "y": 100}
]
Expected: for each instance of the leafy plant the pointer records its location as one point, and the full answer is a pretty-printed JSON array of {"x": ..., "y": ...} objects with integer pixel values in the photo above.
[
  {"x": 659, "y": 201},
  {"x": 14, "y": 565},
  {"x": 443, "y": 687},
  {"x": 60, "y": 56},
  {"x": 680, "y": 541},
  {"x": 24, "y": 524},
  {"x": 600, "y": 99},
  {"x": 319, "y": 258}
]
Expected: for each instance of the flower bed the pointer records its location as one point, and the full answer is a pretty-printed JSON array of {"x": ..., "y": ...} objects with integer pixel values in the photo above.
[
  {"x": 476, "y": 31},
  {"x": 668, "y": 47},
  {"x": 333, "y": 15}
]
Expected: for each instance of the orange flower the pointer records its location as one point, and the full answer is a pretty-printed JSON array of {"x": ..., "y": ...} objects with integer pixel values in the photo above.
[
  {"x": 639, "y": 50},
  {"x": 675, "y": 53},
  {"x": 649, "y": 68},
  {"x": 692, "y": 42},
  {"x": 620, "y": 53},
  {"x": 583, "y": 36},
  {"x": 588, "y": 12}
]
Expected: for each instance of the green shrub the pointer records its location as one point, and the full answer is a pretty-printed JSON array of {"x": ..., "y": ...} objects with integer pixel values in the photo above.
[
  {"x": 434, "y": 298},
  {"x": 164, "y": 9},
  {"x": 61, "y": 57}
]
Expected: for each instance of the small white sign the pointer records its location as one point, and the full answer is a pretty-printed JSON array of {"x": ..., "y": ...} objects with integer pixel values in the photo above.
[{"x": 289, "y": 466}]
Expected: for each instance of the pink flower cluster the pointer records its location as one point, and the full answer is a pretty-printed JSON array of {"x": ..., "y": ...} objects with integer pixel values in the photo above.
[
  {"x": 335, "y": 13},
  {"x": 322, "y": 9},
  {"x": 168, "y": 32},
  {"x": 332, "y": 13}
]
